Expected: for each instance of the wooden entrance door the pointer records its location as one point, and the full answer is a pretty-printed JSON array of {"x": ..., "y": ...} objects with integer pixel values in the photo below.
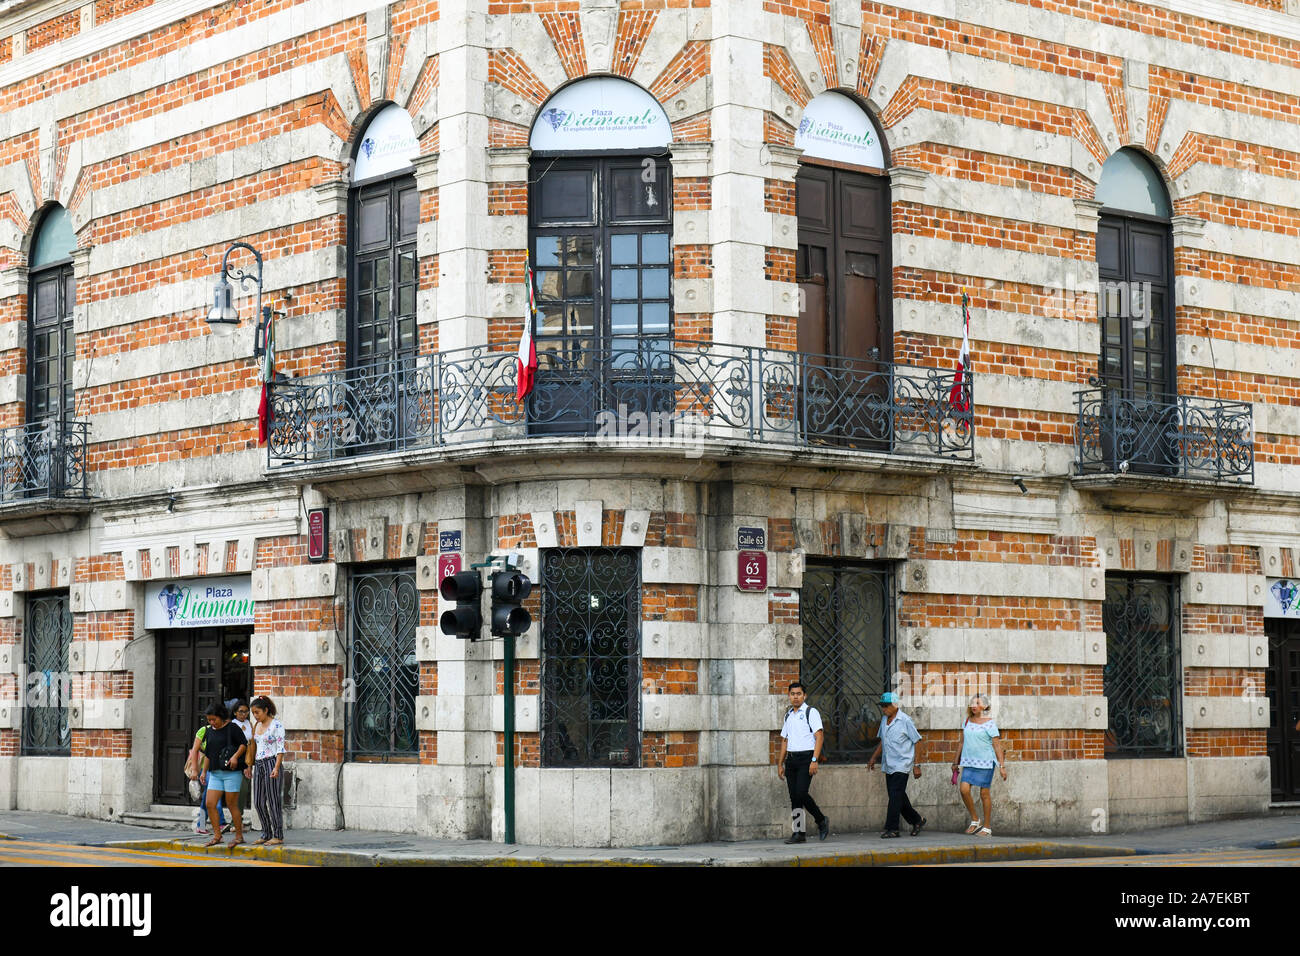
[
  {"x": 842, "y": 267},
  {"x": 1283, "y": 689},
  {"x": 196, "y": 667},
  {"x": 1136, "y": 365}
]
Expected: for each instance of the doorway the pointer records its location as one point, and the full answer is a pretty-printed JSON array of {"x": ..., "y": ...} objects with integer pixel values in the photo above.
[
  {"x": 844, "y": 336},
  {"x": 1283, "y": 689},
  {"x": 197, "y": 668}
]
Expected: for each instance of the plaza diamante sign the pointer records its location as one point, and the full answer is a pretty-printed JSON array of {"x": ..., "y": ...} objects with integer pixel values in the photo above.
[{"x": 198, "y": 602}]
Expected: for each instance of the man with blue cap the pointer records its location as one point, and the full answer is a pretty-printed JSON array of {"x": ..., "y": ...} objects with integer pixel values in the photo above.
[{"x": 898, "y": 739}]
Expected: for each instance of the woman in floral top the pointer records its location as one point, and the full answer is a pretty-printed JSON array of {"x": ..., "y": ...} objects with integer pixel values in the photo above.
[
  {"x": 981, "y": 752},
  {"x": 268, "y": 749}
]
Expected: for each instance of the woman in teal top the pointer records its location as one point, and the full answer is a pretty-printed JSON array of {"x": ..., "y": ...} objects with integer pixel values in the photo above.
[{"x": 981, "y": 751}]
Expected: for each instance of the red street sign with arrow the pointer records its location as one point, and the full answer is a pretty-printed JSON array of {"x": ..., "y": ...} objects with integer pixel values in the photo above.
[{"x": 751, "y": 570}]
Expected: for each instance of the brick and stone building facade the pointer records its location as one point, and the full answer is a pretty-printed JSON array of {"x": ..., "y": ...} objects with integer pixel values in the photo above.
[{"x": 1098, "y": 556}]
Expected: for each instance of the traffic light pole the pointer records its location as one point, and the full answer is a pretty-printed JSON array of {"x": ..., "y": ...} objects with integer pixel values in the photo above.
[
  {"x": 508, "y": 620},
  {"x": 509, "y": 781}
]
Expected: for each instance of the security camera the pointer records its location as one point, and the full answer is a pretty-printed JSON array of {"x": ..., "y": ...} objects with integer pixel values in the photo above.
[{"x": 1020, "y": 483}]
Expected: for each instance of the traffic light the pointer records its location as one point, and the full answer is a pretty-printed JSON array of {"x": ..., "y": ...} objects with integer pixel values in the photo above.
[
  {"x": 465, "y": 620},
  {"x": 509, "y": 590}
]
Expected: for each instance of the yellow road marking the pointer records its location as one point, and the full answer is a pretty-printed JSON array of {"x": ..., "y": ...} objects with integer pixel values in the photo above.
[
  {"x": 143, "y": 856},
  {"x": 36, "y": 859}
]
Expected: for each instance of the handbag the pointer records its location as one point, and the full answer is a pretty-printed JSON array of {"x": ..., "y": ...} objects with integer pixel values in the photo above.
[{"x": 223, "y": 759}]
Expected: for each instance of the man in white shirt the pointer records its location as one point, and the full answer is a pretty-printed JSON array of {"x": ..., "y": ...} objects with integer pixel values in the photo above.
[{"x": 801, "y": 745}]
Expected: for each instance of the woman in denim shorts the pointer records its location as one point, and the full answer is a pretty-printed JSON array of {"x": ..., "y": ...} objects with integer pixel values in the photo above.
[
  {"x": 981, "y": 752},
  {"x": 224, "y": 749}
]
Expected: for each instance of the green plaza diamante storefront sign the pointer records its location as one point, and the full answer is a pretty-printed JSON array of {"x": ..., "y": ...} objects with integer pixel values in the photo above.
[{"x": 198, "y": 602}]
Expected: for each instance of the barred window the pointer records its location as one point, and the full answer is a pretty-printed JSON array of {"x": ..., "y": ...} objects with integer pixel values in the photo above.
[
  {"x": 1142, "y": 679},
  {"x": 384, "y": 609},
  {"x": 847, "y": 614},
  {"x": 47, "y": 638},
  {"x": 591, "y": 657}
]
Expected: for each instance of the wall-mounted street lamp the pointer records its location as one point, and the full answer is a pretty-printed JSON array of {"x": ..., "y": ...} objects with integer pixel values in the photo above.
[{"x": 223, "y": 317}]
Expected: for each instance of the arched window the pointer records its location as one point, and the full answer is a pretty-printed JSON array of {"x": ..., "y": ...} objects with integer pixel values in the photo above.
[
  {"x": 383, "y": 216},
  {"x": 600, "y": 241},
  {"x": 1135, "y": 269},
  {"x": 843, "y": 264},
  {"x": 51, "y": 297}
]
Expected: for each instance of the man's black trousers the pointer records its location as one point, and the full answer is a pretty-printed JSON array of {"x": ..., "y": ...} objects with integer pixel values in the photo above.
[
  {"x": 896, "y": 784},
  {"x": 798, "y": 779}
]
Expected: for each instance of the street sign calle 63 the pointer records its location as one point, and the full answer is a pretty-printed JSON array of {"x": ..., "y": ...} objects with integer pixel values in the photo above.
[{"x": 751, "y": 570}]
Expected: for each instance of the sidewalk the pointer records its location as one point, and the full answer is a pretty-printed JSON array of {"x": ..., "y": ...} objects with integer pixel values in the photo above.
[{"x": 375, "y": 848}]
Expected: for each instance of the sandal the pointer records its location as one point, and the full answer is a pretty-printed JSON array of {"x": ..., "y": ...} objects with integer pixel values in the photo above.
[
  {"x": 274, "y": 842},
  {"x": 237, "y": 842},
  {"x": 974, "y": 828},
  {"x": 214, "y": 841},
  {"x": 985, "y": 831},
  {"x": 258, "y": 842}
]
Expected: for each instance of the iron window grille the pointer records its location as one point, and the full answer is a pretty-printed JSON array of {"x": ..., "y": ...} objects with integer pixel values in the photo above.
[
  {"x": 384, "y": 608},
  {"x": 1142, "y": 679},
  {"x": 47, "y": 637},
  {"x": 847, "y": 614},
  {"x": 591, "y": 657}
]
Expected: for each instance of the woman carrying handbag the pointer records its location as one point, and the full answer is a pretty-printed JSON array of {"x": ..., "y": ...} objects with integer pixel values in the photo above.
[{"x": 981, "y": 751}]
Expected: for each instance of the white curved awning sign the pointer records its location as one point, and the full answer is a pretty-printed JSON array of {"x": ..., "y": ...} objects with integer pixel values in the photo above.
[
  {"x": 387, "y": 146},
  {"x": 836, "y": 128},
  {"x": 601, "y": 113}
]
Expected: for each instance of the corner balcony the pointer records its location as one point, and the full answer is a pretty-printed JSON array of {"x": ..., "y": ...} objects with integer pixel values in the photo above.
[
  {"x": 1182, "y": 448},
  {"x": 43, "y": 477},
  {"x": 700, "y": 400}
]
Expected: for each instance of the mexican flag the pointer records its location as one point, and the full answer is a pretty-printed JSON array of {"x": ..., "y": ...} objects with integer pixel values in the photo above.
[
  {"x": 957, "y": 395},
  {"x": 268, "y": 372},
  {"x": 526, "y": 362}
]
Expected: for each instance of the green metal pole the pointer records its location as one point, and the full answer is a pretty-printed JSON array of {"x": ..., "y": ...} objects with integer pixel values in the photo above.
[{"x": 510, "y": 737}]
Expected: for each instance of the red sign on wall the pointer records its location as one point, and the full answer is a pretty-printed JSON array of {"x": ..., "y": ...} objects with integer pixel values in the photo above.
[
  {"x": 318, "y": 534},
  {"x": 751, "y": 570},
  {"x": 448, "y": 564}
]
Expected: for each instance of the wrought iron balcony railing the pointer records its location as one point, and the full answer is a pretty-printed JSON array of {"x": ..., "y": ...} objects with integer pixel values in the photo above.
[
  {"x": 648, "y": 392},
  {"x": 1183, "y": 437},
  {"x": 43, "y": 460}
]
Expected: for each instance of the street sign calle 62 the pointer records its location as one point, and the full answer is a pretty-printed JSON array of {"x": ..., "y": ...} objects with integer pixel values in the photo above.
[
  {"x": 751, "y": 570},
  {"x": 448, "y": 564}
]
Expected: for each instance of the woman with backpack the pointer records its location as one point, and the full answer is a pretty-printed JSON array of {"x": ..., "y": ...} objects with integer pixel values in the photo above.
[
  {"x": 224, "y": 746},
  {"x": 981, "y": 752}
]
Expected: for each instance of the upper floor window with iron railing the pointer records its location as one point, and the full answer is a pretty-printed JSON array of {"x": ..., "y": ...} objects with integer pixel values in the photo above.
[
  {"x": 45, "y": 458},
  {"x": 600, "y": 242},
  {"x": 842, "y": 263}
]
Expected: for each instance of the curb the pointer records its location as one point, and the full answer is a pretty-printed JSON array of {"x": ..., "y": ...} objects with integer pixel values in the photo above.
[
  {"x": 1289, "y": 843},
  {"x": 928, "y": 856}
]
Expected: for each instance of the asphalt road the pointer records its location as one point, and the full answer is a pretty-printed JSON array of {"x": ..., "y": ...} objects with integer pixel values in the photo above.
[{"x": 1225, "y": 857}]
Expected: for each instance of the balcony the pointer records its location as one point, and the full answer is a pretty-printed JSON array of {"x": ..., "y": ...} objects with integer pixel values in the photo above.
[
  {"x": 1186, "y": 439},
  {"x": 650, "y": 393},
  {"x": 43, "y": 477}
]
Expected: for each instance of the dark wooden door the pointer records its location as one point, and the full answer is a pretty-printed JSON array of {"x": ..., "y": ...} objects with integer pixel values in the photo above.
[
  {"x": 1283, "y": 689},
  {"x": 842, "y": 267},
  {"x": 386, "y": 405},
  {"x": 197, "y": 668},
  {"x": 50, "y": 345},
  {"x": 1137, "y": 360}
]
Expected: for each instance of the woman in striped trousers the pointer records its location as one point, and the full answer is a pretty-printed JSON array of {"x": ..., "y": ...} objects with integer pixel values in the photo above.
[{"x": 268, "y": 792}]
